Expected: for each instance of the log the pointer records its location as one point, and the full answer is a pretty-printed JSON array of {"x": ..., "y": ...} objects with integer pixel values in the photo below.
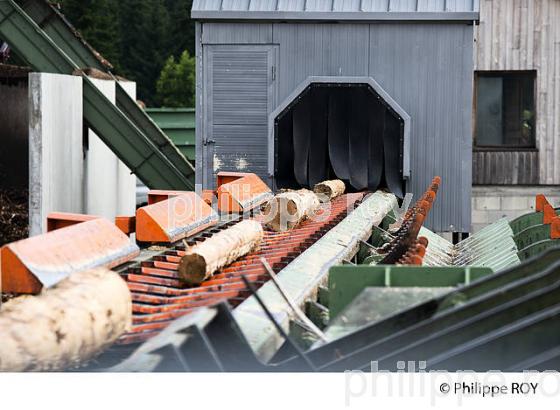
[
  {"x": 329, "y": 190},
  {"x": 64, "y": 326},
  {"x": 202, "y": 260},
  {"x": 289, "y": 209}
]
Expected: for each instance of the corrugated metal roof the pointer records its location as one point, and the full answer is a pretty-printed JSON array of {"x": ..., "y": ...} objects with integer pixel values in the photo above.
[{"x": 337, "y": 9}]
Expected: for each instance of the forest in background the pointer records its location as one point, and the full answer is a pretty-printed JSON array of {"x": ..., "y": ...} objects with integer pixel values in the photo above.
[{"x": 145, "y": 40}]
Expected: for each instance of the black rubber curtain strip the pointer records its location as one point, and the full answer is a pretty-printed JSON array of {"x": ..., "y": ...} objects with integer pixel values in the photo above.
[
  {"x": 391, "y": 150},
  {"x": 285, "y": 149},
  {"x": 302, "y": 128},
  {"x": 376, "y": 129},
  {"x": 358, "y": 127},
  {"x": 318, "y": 153},
  {"x": 338, "y": 133}
]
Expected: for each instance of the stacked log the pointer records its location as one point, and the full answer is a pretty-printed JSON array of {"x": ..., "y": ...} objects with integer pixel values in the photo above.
[
  {"x": 329, "y": 190},
  {"x": 65, "y": 326},
  {"x": 204, "y": 259},
  {"x": 289, "y": 209}
]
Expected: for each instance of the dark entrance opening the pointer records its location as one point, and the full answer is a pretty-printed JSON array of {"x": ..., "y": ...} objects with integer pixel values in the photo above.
[
  {"x": 14, "y": 154},
  {"x": 339, "y": 130}
]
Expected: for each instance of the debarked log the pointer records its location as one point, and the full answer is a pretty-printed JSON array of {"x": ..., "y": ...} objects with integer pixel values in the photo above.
[
  {"x": 329, "y": 190},
  {"x": 289, "y": 209},
  {"x": 203, "y": 259},
  {"x": 66, "y": 325}
]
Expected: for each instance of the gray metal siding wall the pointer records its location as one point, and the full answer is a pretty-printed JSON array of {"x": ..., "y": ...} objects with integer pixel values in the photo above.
[
  {"x": 338, "y": 5},
  {"x": 427, "y": 68}
]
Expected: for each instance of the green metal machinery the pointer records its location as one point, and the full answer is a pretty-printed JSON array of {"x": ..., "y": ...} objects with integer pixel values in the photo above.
[
  {"x": 179, "y": 125},
  {"x": 506, "y": 320},
  {"x": 41, "y": 37},
  {"x": 531, "y": 235},
  {"x": 366, "y": 293},
  {"x": 346, "y": 282}
]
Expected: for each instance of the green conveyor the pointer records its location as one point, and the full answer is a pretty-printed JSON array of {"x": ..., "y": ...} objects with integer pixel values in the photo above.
[{"x": 39, "y": 35}]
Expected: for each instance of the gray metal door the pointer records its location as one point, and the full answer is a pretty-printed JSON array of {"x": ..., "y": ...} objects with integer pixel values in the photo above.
[{"x": 239, "y": 94}]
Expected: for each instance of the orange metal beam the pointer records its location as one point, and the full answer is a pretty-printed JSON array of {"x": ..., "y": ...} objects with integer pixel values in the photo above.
[
  {"x": 127, "y": 224},
  {"x": 549, "y": 214},
  {"x": 208, "y": 196},
  {"x": 155, "y": 195},
  {"x": 555, "y": 228},
  {"x": 540, "y": 202},
  {"x": 59, "y": 220},
  {"x": 174, "y": 219},
  {"x": 225, "y": 177},
  {"x": 241, "y": 192},
  {"x": 42, "y": 261}
]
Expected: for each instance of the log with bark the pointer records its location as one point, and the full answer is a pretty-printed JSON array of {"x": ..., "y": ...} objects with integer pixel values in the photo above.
[
  {"x": 205, "y": 258},
  {"x": 65, "y": 326},
  {"x": 329, "y": 190},
  {"x": 289, "y": 209}
]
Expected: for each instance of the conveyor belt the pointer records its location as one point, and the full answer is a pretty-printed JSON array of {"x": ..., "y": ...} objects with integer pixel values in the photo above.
[
  {"x": 158, "y": 296},
  {"x": 49, "y": 44}
]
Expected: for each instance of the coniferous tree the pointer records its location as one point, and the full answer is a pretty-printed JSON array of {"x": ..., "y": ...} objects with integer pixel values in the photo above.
[
  {"x": 144, "y": 44},
  {"x": 98, "y": 22},
  {"x": 136, "y": 36},
  {"x": 175, "y": 87},
  {"x": 181, "y": 28}
]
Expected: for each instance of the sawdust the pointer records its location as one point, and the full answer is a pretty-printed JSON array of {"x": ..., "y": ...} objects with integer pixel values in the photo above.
[
  {"x": 92, "y": 72},
  {"x": 14, "y": 215}
]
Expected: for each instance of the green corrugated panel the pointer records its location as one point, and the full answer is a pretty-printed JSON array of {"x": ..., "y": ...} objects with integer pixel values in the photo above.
[
  {"x": 374, "y": 304},
  {"x": 526, "y": 221},
  {"x": 537, "y": 248},
  {"x": 440, "y": 251},
  {"x": 531, "y": 235},
  {"x": 346, "y": 282},
  {"x": 491, "y": 247},
  {"x": 470, "y": 319},
  {"x": 499, "y": 228},
  {"x": 179, "y": 125},
  {"x": 124, "y": 128}
]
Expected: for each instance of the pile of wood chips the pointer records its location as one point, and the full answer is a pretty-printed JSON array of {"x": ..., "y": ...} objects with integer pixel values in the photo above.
[{"x": 14, "y": 215}]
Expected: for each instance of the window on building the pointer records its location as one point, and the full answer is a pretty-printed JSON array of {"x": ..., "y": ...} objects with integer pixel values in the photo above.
[{"x": 505, "y": 109}]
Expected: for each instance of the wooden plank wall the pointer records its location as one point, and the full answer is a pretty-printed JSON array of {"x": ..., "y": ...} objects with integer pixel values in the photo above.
[
  {"x": 525, "y": 35},
  {"x": 506, "y": 168}
]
